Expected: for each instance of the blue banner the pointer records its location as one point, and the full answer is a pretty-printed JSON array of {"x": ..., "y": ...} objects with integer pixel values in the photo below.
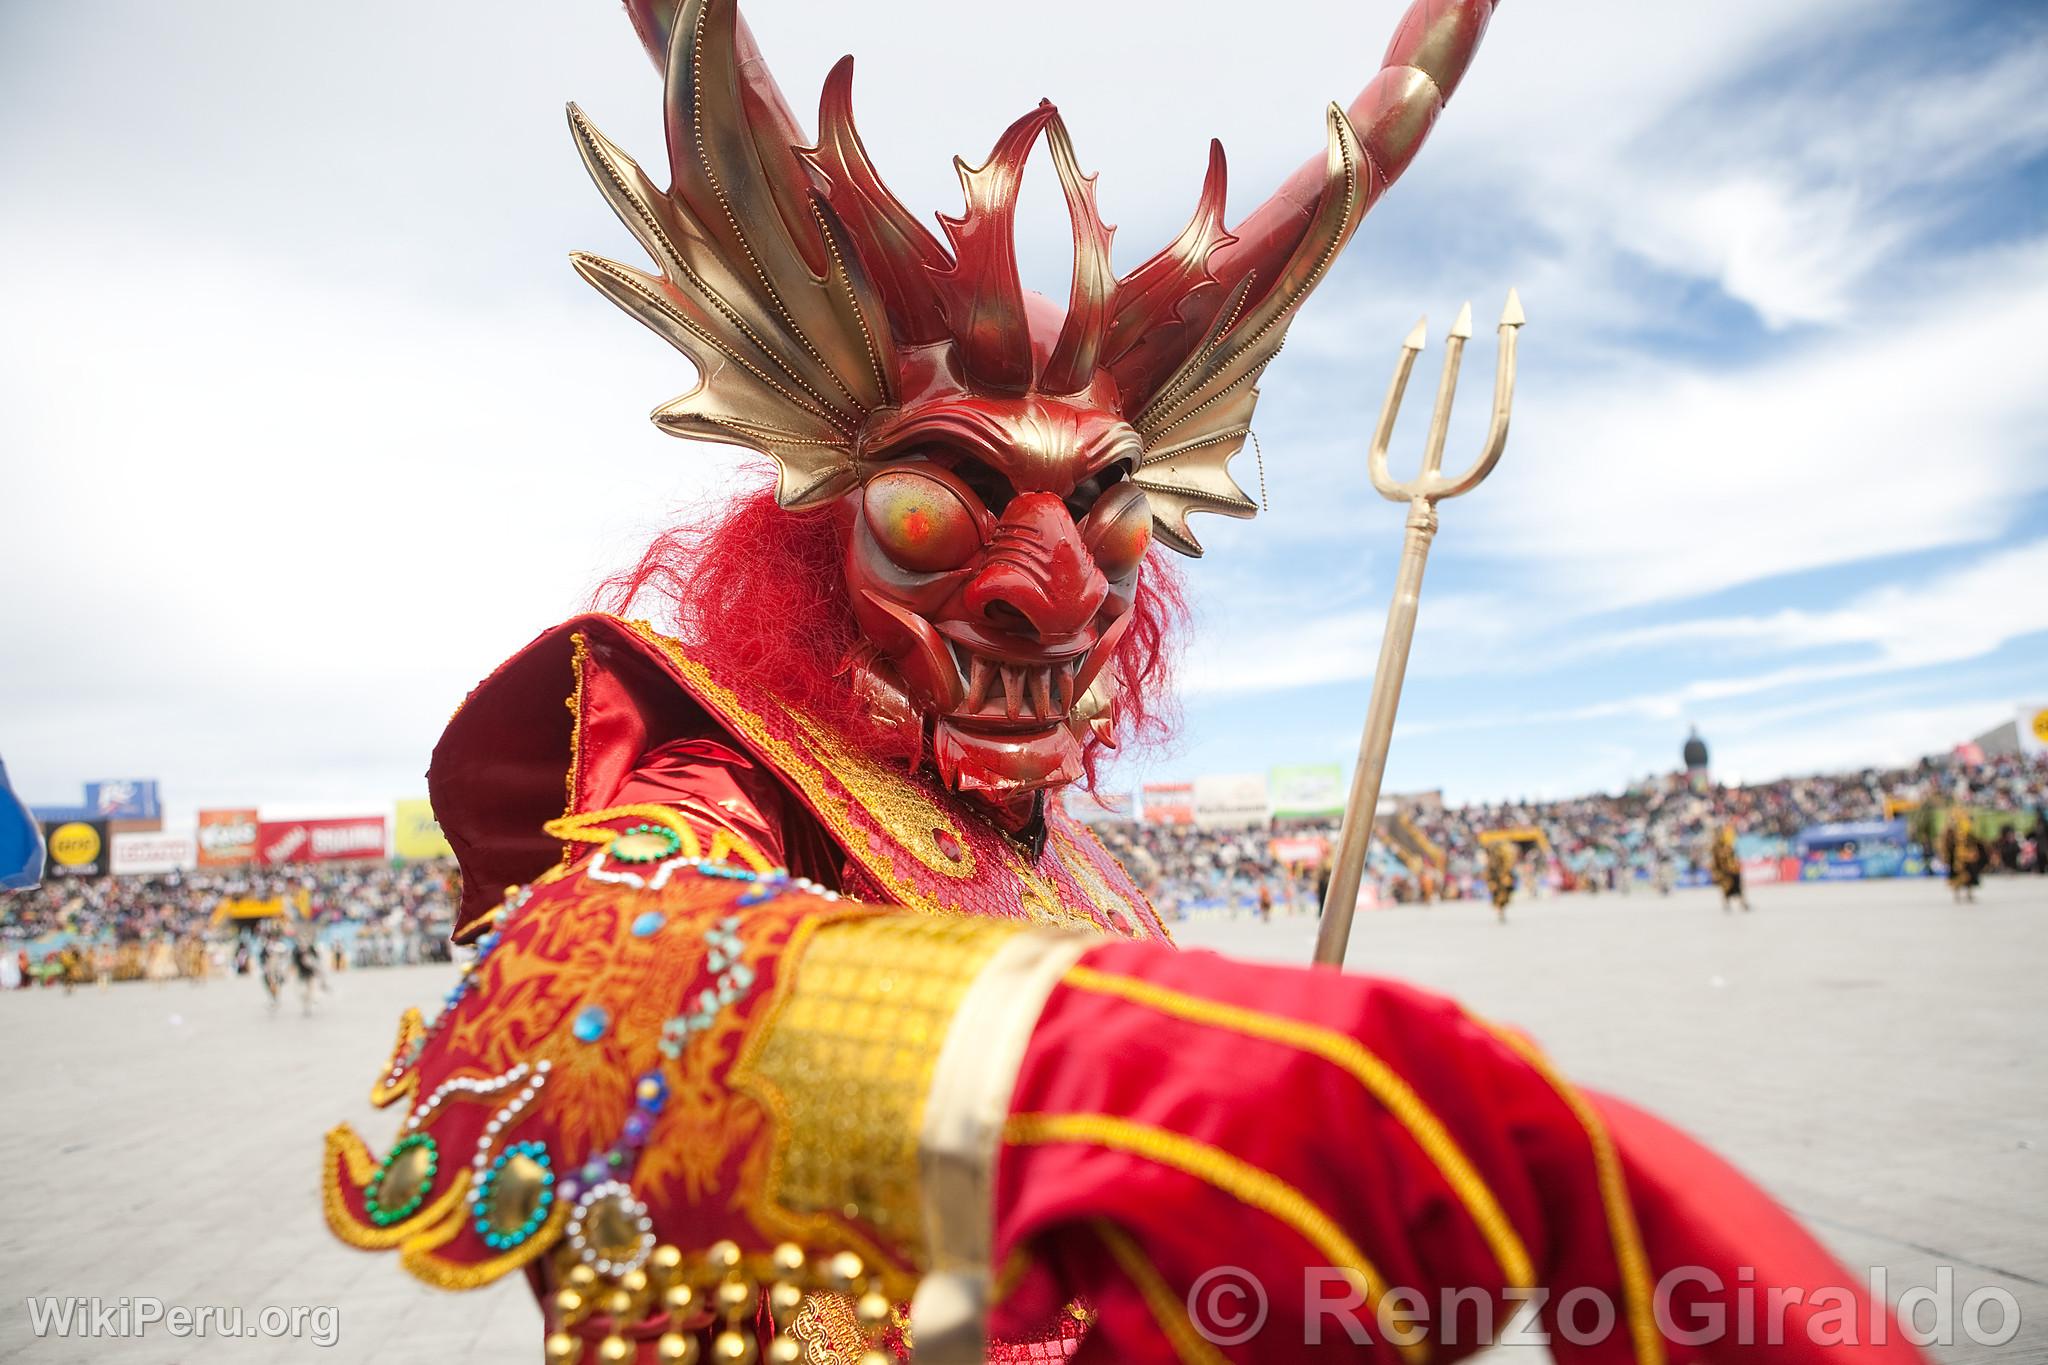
[
  {"x": 21, "y": 841},
  {"x": 1851, "y": 832},
  {"x": 122, "y": 800},
  {"x": 1871, "y": 860}
]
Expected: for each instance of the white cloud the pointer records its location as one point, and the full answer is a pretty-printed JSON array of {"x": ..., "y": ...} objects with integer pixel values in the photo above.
[
  {"x": 304, "y": 424},
  {"x": 1659, "y": 480}
]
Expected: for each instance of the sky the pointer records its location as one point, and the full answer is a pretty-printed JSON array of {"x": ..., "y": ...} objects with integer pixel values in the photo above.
[{"x": 305, "y": 423}]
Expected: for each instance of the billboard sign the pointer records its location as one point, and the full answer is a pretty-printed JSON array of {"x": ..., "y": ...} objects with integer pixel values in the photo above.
[
  {"x": 415, "y": 833},
  {"x": 1309, "y": 791},
  {"x": 123, "y": 799},
  {"x": 319, "y": 841},
  {"x": 1299, "y": 850},
  {"x": 78, "y": 848},
  {"x": 1231, "y": 801},
  {"x": 1169, "y": 803},
  {"x": 1096, "y": 808},
  {"x": 2033, "y": 728},
  {"x": 138, "y": 855},
  {"x": 227, "y": 838}
]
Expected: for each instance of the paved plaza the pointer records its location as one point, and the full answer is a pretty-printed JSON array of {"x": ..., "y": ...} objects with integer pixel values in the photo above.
[{"x": 1871, "y": 1052}]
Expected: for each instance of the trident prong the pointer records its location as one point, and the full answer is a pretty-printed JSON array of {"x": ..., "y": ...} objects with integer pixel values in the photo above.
[{"x": 1421, "y": 493}]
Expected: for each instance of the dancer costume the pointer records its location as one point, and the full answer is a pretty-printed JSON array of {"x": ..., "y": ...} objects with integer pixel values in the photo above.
[{"x": 805, "y": 1023}]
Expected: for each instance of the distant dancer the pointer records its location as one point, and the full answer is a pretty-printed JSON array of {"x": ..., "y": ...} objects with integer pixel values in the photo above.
[
  {"x": 1500, "y": 877},
  {"x": 1963, "y": 851},
  {"x": 1727, "y": 868}
]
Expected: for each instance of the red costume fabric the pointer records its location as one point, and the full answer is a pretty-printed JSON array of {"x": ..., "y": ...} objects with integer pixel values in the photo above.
[{"x": 1181, "y": 1115}]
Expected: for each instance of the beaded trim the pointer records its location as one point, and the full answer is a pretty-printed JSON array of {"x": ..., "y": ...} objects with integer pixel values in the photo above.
[
  {"x": 611, "y": 1189},
  {"x": 480, "y": 1199},
  {"x": 482, "y": 1087},
  {"x": 382, "y": 1216},
  {"x": 502, "y": 1120}
]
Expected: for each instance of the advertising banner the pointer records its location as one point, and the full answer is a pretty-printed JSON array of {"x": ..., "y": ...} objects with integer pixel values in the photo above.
[
  {"x": 1095, "y": 808},
  {"x": 1231, "y": 801},
  {"x": 1299, "y": 850},
  {"x": 2033, "y": 728},
  {"x": 1762, "y": 871},
  {"x": 319, "y": 841},
  {"x": 1888, "y": 860},
  {"x": 137, "y": 855},
  {"x": 1312, "y": 791},
  {"x": 78, "y": 848},
  {"x": 1850, "y": 832},
  {"x": 227, "y": 838},
  {"x": 415, "y": 833},
  {"x": 123, "y": 799},
  {"x": 1169, "y": 803}
]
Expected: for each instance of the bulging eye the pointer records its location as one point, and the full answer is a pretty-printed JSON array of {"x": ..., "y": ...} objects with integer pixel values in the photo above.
[
  {"x": 1119, "y": 529},
  {"x": 921, "y": 520}
]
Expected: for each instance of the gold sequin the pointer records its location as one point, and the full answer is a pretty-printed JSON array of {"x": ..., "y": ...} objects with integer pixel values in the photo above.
[{"x": 846, "y": 1060}]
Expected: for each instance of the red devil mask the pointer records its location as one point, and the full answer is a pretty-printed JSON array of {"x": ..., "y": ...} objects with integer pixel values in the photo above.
[{"x": 999, "y": 467}]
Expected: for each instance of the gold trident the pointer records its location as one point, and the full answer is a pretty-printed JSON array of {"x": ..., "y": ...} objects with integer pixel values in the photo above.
[{"x": 1422, "y": 493}]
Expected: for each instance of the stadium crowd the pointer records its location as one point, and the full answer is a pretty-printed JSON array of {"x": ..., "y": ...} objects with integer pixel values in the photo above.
[
  {"x": 1656, "y": 832},
  {"x": 368, "y": 914},
  {"x": 374, "y": 914}
]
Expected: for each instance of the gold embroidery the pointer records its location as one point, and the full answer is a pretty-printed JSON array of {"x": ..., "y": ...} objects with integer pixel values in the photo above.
[
  {"x": 828, "y": 1329},
  {"x": 1169, "y": 1310},
  {"x": 346, "y": 1151},
  {"x": 417, "y": 1255},
  {"x": 1112, "y": 911},
  {"x": 572, "y": 780},
  {"x": 844, "y": 1058},
  {"x": 1380, "y": 1081},
  {"x": 1627, "y": 1237},
  {"x": 911, "y": 818},
  {"x": 1152, "y": 915},
  {"x": 399, "y": 1079},
  {"x": 1248, "y": 1184},
  {"x": 589, "y": 827}
]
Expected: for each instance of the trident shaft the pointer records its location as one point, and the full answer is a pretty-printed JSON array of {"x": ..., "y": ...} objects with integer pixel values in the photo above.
[{"x": 1422, "y": 494}]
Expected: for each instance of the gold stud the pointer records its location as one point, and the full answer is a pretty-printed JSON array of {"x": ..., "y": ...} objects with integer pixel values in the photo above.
[
  {"x": 676, "y": 1349},
  {"x": 734, "y": 1348},
  {"x": 873, "y": 1311},
  {"x": 735, "y": 1297},
  {"x": 665, "y": 1262},
  {"x": 569, "y": 1304},
  {"x": 784, "y": 1299},
  {"x": 789, "y": 1258},
  {"x": 618, "y": 1303},
  {"x": 634, "y": 1282},
  {"x": 785, "y": 1351},
  {"x": 724, "y": 1255},
  {"x": 875, "y": 1358},
  {"x": 680, "y": 1299},
  {"x": 844, "y": 1271},
  {"x": 613, "y": 1350},
  {"x": 560, "y": 1348},
  {"x": 581, "y": 1277}
]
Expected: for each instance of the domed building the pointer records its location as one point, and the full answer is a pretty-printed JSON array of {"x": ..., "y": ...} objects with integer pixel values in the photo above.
[{"x": 1695, "y": 753}]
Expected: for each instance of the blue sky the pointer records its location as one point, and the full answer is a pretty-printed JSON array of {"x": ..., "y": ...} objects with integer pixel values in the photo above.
[{"x": 306, "y": 423}]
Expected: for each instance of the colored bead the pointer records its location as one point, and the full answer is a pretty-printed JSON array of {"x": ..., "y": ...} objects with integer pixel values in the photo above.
[
  {"x": 591, "y": 1023},
  {"x": 644, "y": 844},
  {"x": 402, "y": 1180},
  {"x": 648, "y": 923}
]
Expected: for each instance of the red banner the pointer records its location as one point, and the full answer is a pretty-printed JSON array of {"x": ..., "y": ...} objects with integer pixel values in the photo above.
[
  {"x": 320, "y": 841},
  {"x": 1169, "y": 803},
  {"x": 227, "y": 838}
]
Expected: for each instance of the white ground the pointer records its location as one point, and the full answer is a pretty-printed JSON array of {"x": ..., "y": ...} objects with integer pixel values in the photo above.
[{"x": 1872, "y": 1053}]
